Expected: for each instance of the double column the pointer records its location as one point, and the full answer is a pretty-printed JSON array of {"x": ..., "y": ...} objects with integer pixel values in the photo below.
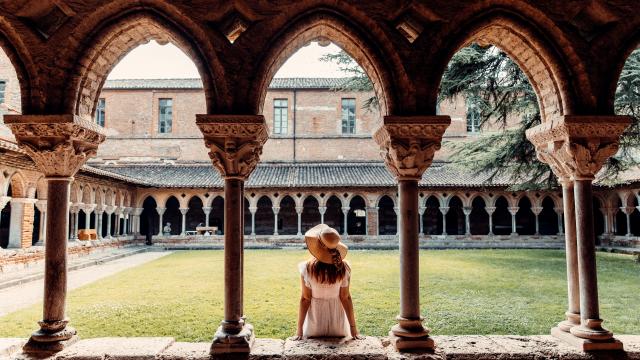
[
  {"x": 408, "y": 144},
  {"x": 235, "y": 143},
  {"x": 576, "y": 147},
  {"x": 58, "y": 145}
]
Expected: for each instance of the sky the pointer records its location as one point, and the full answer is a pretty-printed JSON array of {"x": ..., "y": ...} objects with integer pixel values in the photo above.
[{"x": 154, "y": 61}]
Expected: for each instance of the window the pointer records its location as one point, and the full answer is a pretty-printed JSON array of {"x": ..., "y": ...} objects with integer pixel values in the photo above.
[
  {"x": 100, "y": 112},
  {"x": 473, "y": 119},
  {"x": 280, "y": 116},
  {"x": 165, "y": 115},
  {"x": 3, "y": 86},
  {"x": 348, "y": 116}
]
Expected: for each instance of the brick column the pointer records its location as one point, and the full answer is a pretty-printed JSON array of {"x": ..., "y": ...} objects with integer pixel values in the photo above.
[
  {"x": 576, "y": 147},
  {"x": 235, "y": 143},
  {"x": 408, "y": 144},
  {"x": 58, "y": 145},
  {"x": 372, "y": 220}
]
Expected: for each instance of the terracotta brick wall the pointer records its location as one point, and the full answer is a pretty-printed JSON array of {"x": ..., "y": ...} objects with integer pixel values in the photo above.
[{"x": 27, "y": 225}]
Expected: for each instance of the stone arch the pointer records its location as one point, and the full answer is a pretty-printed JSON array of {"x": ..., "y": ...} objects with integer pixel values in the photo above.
[
  {"x": 387, "y": 217},
  {"x": 384, "y": 69},
  {"x": 310, "y": 212},
  {"x": 18, "y": 185},
  {"x": 357, "y": 215},
  {"x": 87, "y": 194},
  {"x": 557, "y": 78},
  {"x": 143, "y": 196},
  {"x": 264, "y": 224},
  {"x": 116, "y": 35},
  {"x": 629, "y": 44},
  {"x": 287, "y": 215},
  {"x": 478, "y": 218},
  {"x": 195, "y": 215},
  {"x": 432, "y": 217},
  {"x": 41, "y": 188}
]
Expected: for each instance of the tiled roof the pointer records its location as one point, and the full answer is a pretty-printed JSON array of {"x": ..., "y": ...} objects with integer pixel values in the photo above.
[
  {"x": 302, "y": 175},
  {"x": 277, "y": 83}
]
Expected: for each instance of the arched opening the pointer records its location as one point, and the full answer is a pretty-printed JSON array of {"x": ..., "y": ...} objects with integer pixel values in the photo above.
[
  {"x": 149, "y": 218},
  {"x": 264, "y": 217},
  {"x": 634, "y": 218},
  {"x": 195, "y": 214},
  {"x": 455, "y": 217},
  {"x": 502, "y": 217},
  {"x": 548, "y": 218},
  {"x": 621, "y": 219},
  {"x": 10, "y": 94},
  {"x": 287, "y": 217},
  {"x": 357, "y": 217},
  {"x": 479, "y": 218},
  {"x": 387, "y": 218},
  {"x": 216, "y": 216},
  {"x": 247, "y": 218},
  {"x": 333, "y": 216},
  {"x": 310, "y": 213},
  {"x": 5, "y": 220},
  {"x": 35, "y": 234},
  {"x": 432, "y": 217},
  {"x": 172, "y": 217},
  {"x": 525, "y": 218},
  {"x": 598, "y": 219}
]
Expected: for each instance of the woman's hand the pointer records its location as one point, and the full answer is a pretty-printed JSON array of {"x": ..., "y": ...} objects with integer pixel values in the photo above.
[
  {"x": 355, "y": 335},
  {"x": 297, "y": 338}
]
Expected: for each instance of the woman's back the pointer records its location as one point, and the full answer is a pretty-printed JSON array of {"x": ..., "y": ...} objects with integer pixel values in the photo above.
[{"x": 320, "y": 290}]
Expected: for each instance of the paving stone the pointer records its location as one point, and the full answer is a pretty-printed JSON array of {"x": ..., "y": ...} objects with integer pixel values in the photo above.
[
  {"x": 10, "y": 346},
  {"x": 267, "y": 349},
  {"x": 187, "y": 351},
  {"x": 468, "y": 347},
  {"x": 369, "y": 348},
  {"x": 117, "y": 348}
]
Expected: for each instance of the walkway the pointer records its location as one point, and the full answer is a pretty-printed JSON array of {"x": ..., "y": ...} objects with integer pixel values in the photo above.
[{"x": 26, "y": 294}]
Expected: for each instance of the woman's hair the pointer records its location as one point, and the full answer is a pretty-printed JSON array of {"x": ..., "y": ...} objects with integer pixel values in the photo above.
[{"x": 328, "y": 273}]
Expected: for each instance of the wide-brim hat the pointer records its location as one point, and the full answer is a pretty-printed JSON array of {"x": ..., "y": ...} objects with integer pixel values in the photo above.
[{"x": 321, "y": 239}]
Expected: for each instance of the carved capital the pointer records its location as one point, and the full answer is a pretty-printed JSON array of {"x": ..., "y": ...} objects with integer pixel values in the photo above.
[
  {"x": 408, "y": 144},
  {"x": 58, "y": 144},
  {"x": 234, "y": 141},
  {"x": 578, "y": 146}
]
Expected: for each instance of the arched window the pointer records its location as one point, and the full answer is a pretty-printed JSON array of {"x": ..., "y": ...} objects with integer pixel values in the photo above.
[
  {"x": 387, "y": 218},
  {"x": 216, "y": 216}
]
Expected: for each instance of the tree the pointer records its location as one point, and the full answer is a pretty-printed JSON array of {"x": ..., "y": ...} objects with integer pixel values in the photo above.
[{"x": 496, "y": 88}]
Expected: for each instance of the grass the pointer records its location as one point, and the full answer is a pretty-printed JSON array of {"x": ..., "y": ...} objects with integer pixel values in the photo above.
[{"x": 463, "y": 292}]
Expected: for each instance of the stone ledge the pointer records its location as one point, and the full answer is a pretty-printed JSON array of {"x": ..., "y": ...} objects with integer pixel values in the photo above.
[{"x": 467, "y": 347}]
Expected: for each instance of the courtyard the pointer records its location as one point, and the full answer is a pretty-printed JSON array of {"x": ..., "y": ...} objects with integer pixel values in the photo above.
[{"x": 519, "y": 292}]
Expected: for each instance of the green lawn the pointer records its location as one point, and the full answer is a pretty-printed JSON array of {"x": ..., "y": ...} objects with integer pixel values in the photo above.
[{"x": 463, "y": 292}]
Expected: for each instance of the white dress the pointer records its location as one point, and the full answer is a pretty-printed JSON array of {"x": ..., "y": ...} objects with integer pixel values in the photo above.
[{"x": 326, "y": 316}]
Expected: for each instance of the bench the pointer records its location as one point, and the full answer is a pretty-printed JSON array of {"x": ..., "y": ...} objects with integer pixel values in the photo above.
[
  {"x": 87, "y": 234},
  {"x": 201, "y": 230}
]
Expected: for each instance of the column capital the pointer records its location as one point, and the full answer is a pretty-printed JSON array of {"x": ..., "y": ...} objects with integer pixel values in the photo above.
[
  {"x": 513, "y": 209},
  {"x": 3, "y": 201},
  {"x": 421, "y": 210},
  {"x": 627, "y": 210},
  {"x": 467, "y": 210},
  {"x": 345, "y": 209},
  {"x": 161, "y": 210},
  {"x": 577, "y": 146},
  {"x": 408, "y": 143},
  {"x": 276, "y": 209},
  {"x": 23, "y": 200},
  {"x": 299, "y": 209},
  {"x": 322, "y": 209},
  {"x": 58, "y": 144},
  {"x": 253, "y": 209},
  {"x": 40, "y": 204},
  {"x": 137, "y": 211},
  {"x": 89, "y": 207},
  {"x": 558, "y": 210},
  {"x": 184, "y": 211},
  {"x": 206, "y": 209},
  {"x": 490, "y": 209},
  {"x": 536, "y": 209},
  {"x": 444, "y": 210},
  {"x": 235, "y": 142}
]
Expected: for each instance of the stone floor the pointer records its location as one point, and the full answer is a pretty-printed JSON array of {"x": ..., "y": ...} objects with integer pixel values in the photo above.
[{"x": 469, "y": 347}]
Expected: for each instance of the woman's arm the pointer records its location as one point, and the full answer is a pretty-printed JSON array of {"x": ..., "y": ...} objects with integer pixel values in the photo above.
[
  {"x": 305, "y": 302},
  {"x": 347, "y": 304}
]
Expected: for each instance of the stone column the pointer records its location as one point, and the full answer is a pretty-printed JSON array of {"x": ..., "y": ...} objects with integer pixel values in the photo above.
[
  {"x": 408, "y": 144},
  {"x": 184, "y": 211},
  {"x": 396, "y": 210},
  {"x": 466, "y": 210},
  {"x": 322, "y": 210},
  {"x": 490, "y": 210},
  {"x": 253, "y": 210},
  {"x": 109, "y": 212},
  {"x": 345, "y": 214},
  {"x": 42, "y": 207},
  {"x": 421, "y": 211},
  {"x": 559, "y": 211},
  {"x": 207, "y": 212},
  {"x": 76, "y": 222},
  {"x": 116, "y": 230},
  {"x": 536, "y": 211},
  {"x": 299, "y": 210},
  {"x": 161, "y": 224},
  {"x": 235, "y": 143},
  {"x": 276, "y": 210},
  {"x": 571, "y": 251},
  {"x": 58, "y": 145},
  {"x": 627, "y": 210},
  {"x": 99, "y": 213},
  {"x": 444, "y": 210},
  {"x": 87, "y": 216},
  {"x": 16, "y": 224},
  {"x": 577, "y": 147},
  {"x": 137, "y": 212},
  {"x": 513, "y": 210},
  {"x": 607, "y": 223}
]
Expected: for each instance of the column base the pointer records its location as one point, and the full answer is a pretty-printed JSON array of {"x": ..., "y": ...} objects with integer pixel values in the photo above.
[
  {"x": 611, "y": 344},
  {"x": 238, "y": 343},
  {"x": 592, "y": 329},
  {"x": 572, "y": 321},
  {"x": 47, "y": 341},
  {"x": 410, "y": 335}
]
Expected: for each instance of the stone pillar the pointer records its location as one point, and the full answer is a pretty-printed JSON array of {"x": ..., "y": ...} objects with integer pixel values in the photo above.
[
  {"x": 571, "y": 251},
  {"x": 345, "y": 214},
  {"x": 109, "y": 212},
  {"x": 490, "y": 210},
  {"x": 577, "y": 147},
  {"x": 396, "y": 210},
  {"x": 87, "y": 216},
  {"x": 322, "y": 210},
  {"x": 184, "y": 211},
  {"x": 408, "y": 144},
  {"x": 513, "y": 210},
  {"x": 235, "y": 143},
  {"x": 421, "y": 211},
  {"x": 276, "y": 210},
  {"x": 207, "y": 211},
  {"x": 444, "y": 210},
  {"x": 299, "y": 210},
  {"x": 117, "y": 213},
  {"x": 559, "y": 211},
  {"x": 466, "y": 210},
  {"x": 42, "y": 207},
  {"x": 253, "y": 210},
  {"x": 99, "y": 213},
  {"x": 17, "y": 222},
  {"x": 536, "y": 211},
  {"x": 607, "y": 223},
  {"x": 161, "y": 224},
  {"x": 58, "y": 145},
  {"x": 137, "y": 212},
  {"x": 627, "y": 210},
  {"x": 76, "y": 222}
]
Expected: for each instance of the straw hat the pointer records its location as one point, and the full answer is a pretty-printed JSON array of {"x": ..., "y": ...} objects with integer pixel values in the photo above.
[{"x": 321, "y": 239}]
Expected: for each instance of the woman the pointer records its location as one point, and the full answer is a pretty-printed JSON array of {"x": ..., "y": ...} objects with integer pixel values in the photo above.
[{"x": 326, "y": 308}]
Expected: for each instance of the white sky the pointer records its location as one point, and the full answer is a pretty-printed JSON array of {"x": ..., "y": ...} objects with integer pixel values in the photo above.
[{"x": 154, "y": 61}]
